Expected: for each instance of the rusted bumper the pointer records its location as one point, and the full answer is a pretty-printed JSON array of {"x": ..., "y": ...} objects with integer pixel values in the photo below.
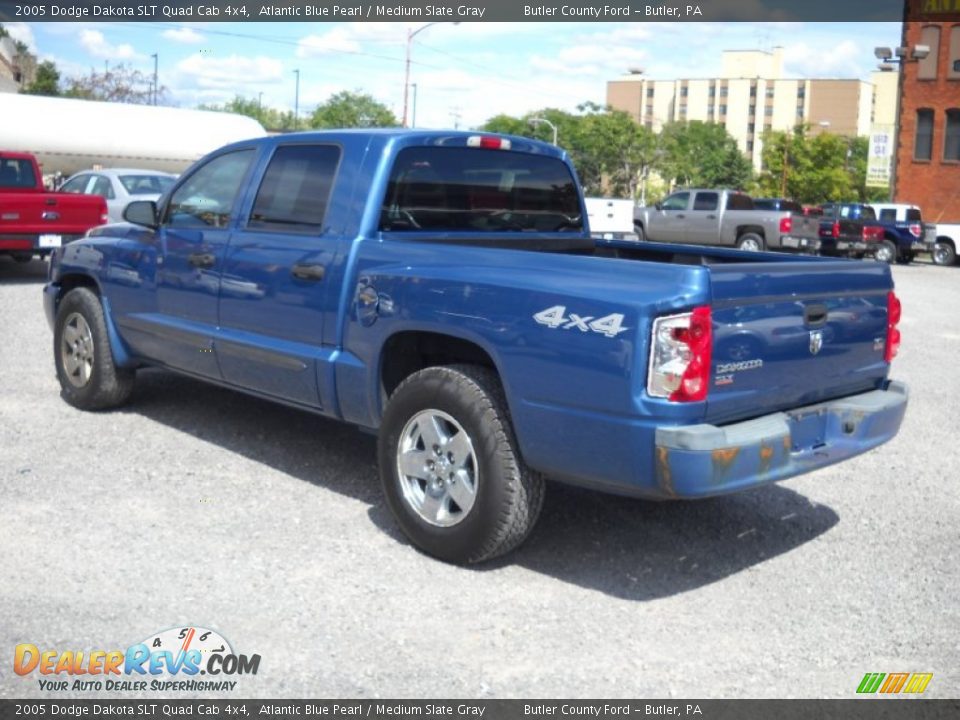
[{"x": 701, "y": 460}]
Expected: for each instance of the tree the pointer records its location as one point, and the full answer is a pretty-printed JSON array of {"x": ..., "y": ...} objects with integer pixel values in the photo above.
[
  {"x": 702, "y": 154},
  {"x": 119, "y": 83},
  {"x": 46, "y": 82},
  {"x": 347, "y": 109},
  {"x": 270, "y": 118}
]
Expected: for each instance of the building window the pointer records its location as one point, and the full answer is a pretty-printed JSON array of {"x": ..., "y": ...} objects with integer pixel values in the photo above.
[
  {"x": 649, "y": 110},
  {"x": 683, "y": 109},
  {"x": 749, "y": 146},
  {"x": 713, "y": 91},
  {"x": 723, "y": 109},
  {"x": 751, "y": 128},
  {"x": 953, "y": 67},
  {"x": 801, "y": 91},
  {"x": 769, "y": 92},
  {"x": 927, "y": 68},
  {"x": 753, "y": 110},
  {"x": 723, "y": 92},
  {"x": 951, "y": 138},
  {"x": 768, "y": 111},
  {"x": 683, "y": 91},
  {"x": 753, "y": 91},
  {"x": 799, "y": 112},
  {"x": 923, "y": 143},
  {"x": 650, "y": 92}
]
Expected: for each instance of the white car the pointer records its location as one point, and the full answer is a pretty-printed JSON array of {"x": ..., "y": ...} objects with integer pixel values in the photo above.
[{"x": 119, "y": 187}]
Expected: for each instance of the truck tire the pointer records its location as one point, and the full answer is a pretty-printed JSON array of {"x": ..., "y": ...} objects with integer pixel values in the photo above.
[
  {"x": 944, "y": 253},
  {"x": 88, "y": 377},
  {"x": 638, "y": 229},
  {"x": 886, "y": 252},
  {"x": 750, "y": 242},
  {"x": 450, "y": 468}
]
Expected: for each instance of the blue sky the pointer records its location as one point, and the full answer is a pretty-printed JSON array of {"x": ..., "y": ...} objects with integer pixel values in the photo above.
[{"x": 465, "y": 73}]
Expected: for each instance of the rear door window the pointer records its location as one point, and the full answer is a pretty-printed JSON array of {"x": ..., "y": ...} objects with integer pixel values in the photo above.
[
  {"x": 295, "y": 191},
  {"x": 888, "y": 215},
  {"x": 457, "y": 189},
  {"x": 706, "y": 201},
  {"x": 739, "y": 201}
]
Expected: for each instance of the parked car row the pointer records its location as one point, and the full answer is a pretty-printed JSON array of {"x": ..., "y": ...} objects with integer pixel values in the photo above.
[
  {"x": 886, "y": 232},
  {"x": 34, "y": 221}
]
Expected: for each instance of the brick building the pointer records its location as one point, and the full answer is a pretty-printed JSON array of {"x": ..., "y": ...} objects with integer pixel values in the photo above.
[{"x": 928, "y": 147}]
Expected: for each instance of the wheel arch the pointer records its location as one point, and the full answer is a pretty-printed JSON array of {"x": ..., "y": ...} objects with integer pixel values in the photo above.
[{"x": 118, "y": 348}]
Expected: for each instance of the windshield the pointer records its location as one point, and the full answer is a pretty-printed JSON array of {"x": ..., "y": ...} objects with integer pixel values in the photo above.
[
  {"x": 146, "y": 184},
  {"x": 479, "y": 190}
]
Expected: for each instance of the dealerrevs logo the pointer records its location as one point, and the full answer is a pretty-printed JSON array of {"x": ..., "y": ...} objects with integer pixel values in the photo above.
[{"x": 168, "y": 660}]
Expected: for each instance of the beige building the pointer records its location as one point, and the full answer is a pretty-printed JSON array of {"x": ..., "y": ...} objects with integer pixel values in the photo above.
[{"x": 750, "y": 95}]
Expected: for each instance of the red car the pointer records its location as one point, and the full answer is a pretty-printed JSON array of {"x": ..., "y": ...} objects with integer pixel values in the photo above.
[{"x": 34, "y": 221}]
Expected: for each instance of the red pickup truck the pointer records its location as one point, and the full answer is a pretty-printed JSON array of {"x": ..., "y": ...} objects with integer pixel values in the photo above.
[{"x": 34, "y": 221}]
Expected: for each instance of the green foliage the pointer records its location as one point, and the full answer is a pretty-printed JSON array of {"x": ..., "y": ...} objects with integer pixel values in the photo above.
[
  {"x": 347, "y": 109},
  {"x": 270, "y": 118},
  {"x": 815, "y": 169},
  {"x": 46, "y": 82},
  {"x": 616, "y": 156},
  {"x": 3, "y": 31},
  {"x": 700, "y": 154}
]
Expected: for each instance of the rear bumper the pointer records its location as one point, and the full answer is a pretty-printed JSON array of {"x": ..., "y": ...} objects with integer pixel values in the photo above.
[
  {"x": 42, "y": 243},
  {"x": 701, "y": 460},
  {"x": 800, "y": 243}
]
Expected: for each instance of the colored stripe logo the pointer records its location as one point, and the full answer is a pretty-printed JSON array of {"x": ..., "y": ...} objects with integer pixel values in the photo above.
[{"x": 893, "y": 683}]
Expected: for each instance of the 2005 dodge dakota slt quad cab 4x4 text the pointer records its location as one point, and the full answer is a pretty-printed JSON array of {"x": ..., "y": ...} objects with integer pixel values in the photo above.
[{"x": 442, "y": 288}]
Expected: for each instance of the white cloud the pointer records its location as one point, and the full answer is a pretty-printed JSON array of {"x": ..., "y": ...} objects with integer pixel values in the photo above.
[
  {"x": 186, "y": 35},
  {"x": 229, "y": 73},
  {"x": 590, "y": 60},
  {"x": 96, "y": 44},
  {"x": 841, "y": 59},
  {"x": 338, "y": 40}
]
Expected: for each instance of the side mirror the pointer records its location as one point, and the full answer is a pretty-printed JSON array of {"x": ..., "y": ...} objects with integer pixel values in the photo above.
[
  {"x": 658, "y": 206},
  {"x": 142, "y": 212}
]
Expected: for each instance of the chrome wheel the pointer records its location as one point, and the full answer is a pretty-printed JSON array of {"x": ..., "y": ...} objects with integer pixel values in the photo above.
[
  {"x": 76, "y": 350},
  {"x": 437, "y": 468}
]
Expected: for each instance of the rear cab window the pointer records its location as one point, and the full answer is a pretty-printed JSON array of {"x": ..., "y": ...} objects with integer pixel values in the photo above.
[
  {"x": 16, "y": 173},
  {"x": 458, "y": 189}
]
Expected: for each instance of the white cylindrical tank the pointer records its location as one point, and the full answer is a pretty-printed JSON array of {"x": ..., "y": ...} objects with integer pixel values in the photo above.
[{"x": 72, "y": 135}]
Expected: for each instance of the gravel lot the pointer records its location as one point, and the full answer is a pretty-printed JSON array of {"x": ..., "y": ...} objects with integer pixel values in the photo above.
[{"x": 200, "y": 506}]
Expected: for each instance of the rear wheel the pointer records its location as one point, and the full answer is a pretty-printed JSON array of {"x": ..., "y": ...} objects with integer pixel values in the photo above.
[
  {"x": 89, "y": 379},
  {"x": 450, "y": 468},
  {"x": 751, "y": 242},
  {"x": 944, "y": 254},
  {"x": 886, "y": 252},
  {"x": 638, "y": 229}
]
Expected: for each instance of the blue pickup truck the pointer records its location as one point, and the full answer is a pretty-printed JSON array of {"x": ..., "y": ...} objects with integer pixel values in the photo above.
[
  {"x": 899, "y": 232},
  {"x": 443, "y": 290}
]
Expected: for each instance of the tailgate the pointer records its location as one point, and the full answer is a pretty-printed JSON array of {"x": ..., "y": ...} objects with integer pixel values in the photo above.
[
  {"x": 38, "y": 213},
  {"x": 792, "y": 334}
]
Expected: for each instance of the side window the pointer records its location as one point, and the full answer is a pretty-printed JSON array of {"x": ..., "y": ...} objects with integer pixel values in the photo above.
[
  {"x": 677, "y": 201},
  {"x": 953, "y": 64},
  {"x": 739, "y": 201},
  {"x": 102, "y": 187},
  {"x": 296, "y": 188},
  {"x": 923, "y": 142},
  {"x": 76, "y": 185},
  {"x": 888, "y": 215},
  {"x": 208, "y": 196},
  {"x": 927, "y": 68},
  {"x": 951, "y": 137},
  {"x": 706, "y": 201}
]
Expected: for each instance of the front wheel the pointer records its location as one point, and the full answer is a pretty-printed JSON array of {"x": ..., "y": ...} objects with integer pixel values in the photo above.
[
  {"x": 944, "y": 254},
  {"x": 89, "y": 379},
  {"x": 886, "y": 252},
  {"x": 451, "y": 472},
  {"x": 638, "y": 229},
  {"x": 750, "y": 242}
]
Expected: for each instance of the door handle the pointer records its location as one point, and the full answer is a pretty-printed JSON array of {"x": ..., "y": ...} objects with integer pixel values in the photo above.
[
  {"x": 308, "y": 271},
  {"x": 681, "y": 215},
  {"x": 202, "y": 260},
  {"x": 711, "y": 217}
]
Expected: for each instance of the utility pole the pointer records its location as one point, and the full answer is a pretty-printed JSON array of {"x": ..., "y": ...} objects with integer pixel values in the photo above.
[
  {"x": 406, "y": 75},
  {"x": 413, "y": 115}
]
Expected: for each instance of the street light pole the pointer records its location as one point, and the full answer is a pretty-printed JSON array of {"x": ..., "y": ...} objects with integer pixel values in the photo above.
[
  {"x": 537, "y": 120},
  {"x": 406, "y": 76},
  {"x": 296, "y": 102},
  {"x": 413, "y": 114}
]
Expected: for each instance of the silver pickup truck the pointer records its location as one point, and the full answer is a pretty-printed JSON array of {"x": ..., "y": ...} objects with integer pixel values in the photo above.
[{"x": 725, "y": 217}]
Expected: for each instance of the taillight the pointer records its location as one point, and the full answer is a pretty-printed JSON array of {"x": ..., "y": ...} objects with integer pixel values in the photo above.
[
  {"x": 104, "y": 218},
  {"x": 916, "y": 230},
  {"x": 872, "y": 234},
  {"x": 786, "y": 225},
  {"x": 836, "y": 229},
  {"x": 894, "y": 311},
  {"x": 488, "y": 142},
  {"x": 680, "y": 351}
]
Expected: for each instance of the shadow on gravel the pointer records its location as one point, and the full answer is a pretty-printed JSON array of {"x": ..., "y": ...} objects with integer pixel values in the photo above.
[
  {"x": 623, "y": 547},
  {"x": 14, "y": 273}
]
